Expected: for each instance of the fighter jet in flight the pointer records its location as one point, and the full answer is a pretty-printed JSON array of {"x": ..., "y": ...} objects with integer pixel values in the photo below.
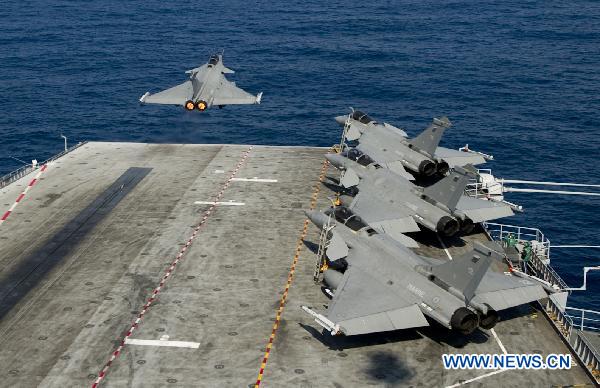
[
  {"x": 391, "y": 204},
  {"x": 380, "y": 285},
  {"x": 389, "y": 147},
  {"x": 206, "y": 87}
]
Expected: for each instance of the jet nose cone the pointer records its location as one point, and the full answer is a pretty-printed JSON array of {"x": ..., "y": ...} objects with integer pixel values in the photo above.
[
  {"x": 341, "y": 120},
  {"x": 316, "y": 217},
  {"x": 336, "y": 160}
]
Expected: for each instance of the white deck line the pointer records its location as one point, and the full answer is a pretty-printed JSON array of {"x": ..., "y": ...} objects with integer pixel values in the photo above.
[
  {"x": 174, "y": 344},
  {"x": 255, "y": 179},
  {"x": 491, "y": 330},
  {"x": 498, "y": 340},
  {"x": 477, "y": 378},
  {"x": 443, "y": 246},
  {"x": 229, "y": 203}
]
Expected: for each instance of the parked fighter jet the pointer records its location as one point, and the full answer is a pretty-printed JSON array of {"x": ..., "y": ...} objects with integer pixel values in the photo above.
[
  {"x": 391, "y": 204},
  {"x": 207, "y": 86},
  {"x": 388, "y": 146},
  {"x": 380, "y": 285}
]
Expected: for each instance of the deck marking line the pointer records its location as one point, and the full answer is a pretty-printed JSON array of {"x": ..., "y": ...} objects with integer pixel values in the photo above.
[
  {"x": 477, "y": 378},
  {"x": 225, "y": 203},
  {"x": 255, "y": 179},
  {"x": 290, "y": 279},
  {"x": 175, "y": 344},
  {"x": 443, "y": 246},
  {"x": 491, "y": 330},
  {"x": 172, "y": 266},
  {"x": 498, "y": 340},
  {"x": 23, "y": 193}
]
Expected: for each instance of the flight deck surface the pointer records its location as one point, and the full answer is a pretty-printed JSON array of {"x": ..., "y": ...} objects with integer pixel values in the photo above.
[{"x": 112, "y": 231}]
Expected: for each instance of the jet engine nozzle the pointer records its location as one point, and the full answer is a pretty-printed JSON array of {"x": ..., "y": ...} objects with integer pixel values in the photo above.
[
  {"x": 189, "y": 105},
  {"x": 442, "y": 167},
  {"x": 464, "y": 321},
  {"x": 201, "y": 105},
  {"x": 489, "y": 320},
  {"x": 427, "y": 167},
  {"x": 467, "y": 225},
  {"x": 448, "y": 226}
]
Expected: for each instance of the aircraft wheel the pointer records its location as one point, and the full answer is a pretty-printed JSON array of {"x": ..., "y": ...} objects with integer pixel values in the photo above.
[
  {"x": 189, "y": 105},
  {"x": 201, "y": 105}
]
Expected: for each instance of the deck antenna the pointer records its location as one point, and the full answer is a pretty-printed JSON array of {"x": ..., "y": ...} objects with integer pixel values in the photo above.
[
  {"x": 487, "y": 186},
  {"x": 574, "y": 246},
  {"x": 64, "y": 137},
  {"x": 22, "y": 161}
]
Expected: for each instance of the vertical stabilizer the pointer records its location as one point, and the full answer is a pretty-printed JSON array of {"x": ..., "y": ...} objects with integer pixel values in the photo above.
[
  {"x": 448, "y": 190},
  {"x": 429, "y": 139},
  {"x": 466, "y": 272}
]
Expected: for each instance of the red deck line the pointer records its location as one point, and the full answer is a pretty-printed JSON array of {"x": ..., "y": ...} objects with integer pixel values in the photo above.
[{"x": 168, "y": 272}]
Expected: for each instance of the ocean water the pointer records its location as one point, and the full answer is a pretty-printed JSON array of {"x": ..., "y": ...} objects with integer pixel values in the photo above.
[{"x": 519, "y": 80}]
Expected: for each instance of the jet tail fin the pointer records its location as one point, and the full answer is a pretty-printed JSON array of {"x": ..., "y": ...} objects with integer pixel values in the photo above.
[
  {"x": 466, "y": 272},
  {"x": 448, "y": 190},
  {"x": 429, "y": 139}
]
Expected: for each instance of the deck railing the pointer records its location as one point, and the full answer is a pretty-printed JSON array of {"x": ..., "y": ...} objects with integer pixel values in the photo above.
[
  {"x": 571, "y": 326},
  {"x": 25, "y": 170},
  {"x": 569, "y": 321},
  {"x": 584, "y": 319},
  {"x": 539, "y": 243}
]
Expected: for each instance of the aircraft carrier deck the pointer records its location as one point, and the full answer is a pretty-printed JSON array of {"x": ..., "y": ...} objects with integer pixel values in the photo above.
[{"x": 114, "y": 271}]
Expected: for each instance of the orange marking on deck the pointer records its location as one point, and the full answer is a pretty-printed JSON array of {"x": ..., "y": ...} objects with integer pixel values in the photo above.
[{"x": 290, "y": 278}]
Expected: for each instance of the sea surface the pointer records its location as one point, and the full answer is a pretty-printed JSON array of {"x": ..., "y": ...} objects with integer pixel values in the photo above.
[{"x": 518, "y": 79}]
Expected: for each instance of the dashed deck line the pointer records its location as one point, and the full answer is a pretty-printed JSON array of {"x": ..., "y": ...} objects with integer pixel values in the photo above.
[
  {"x": 290, "y": 278},
  {"x": 169, "y": 272},
  {"x": 22, "y": 195}
]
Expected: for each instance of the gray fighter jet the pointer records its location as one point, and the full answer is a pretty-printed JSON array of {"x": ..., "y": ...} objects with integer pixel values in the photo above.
[
  {"x": 380, "y": 285},
  {"x": 391, "y": 204},
  {"x": 389, "y": 147},
  {"x": 206, "y": 87}
]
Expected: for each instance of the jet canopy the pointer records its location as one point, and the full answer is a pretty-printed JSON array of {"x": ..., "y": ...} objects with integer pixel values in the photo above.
[{"x": 362, "y": 117}]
